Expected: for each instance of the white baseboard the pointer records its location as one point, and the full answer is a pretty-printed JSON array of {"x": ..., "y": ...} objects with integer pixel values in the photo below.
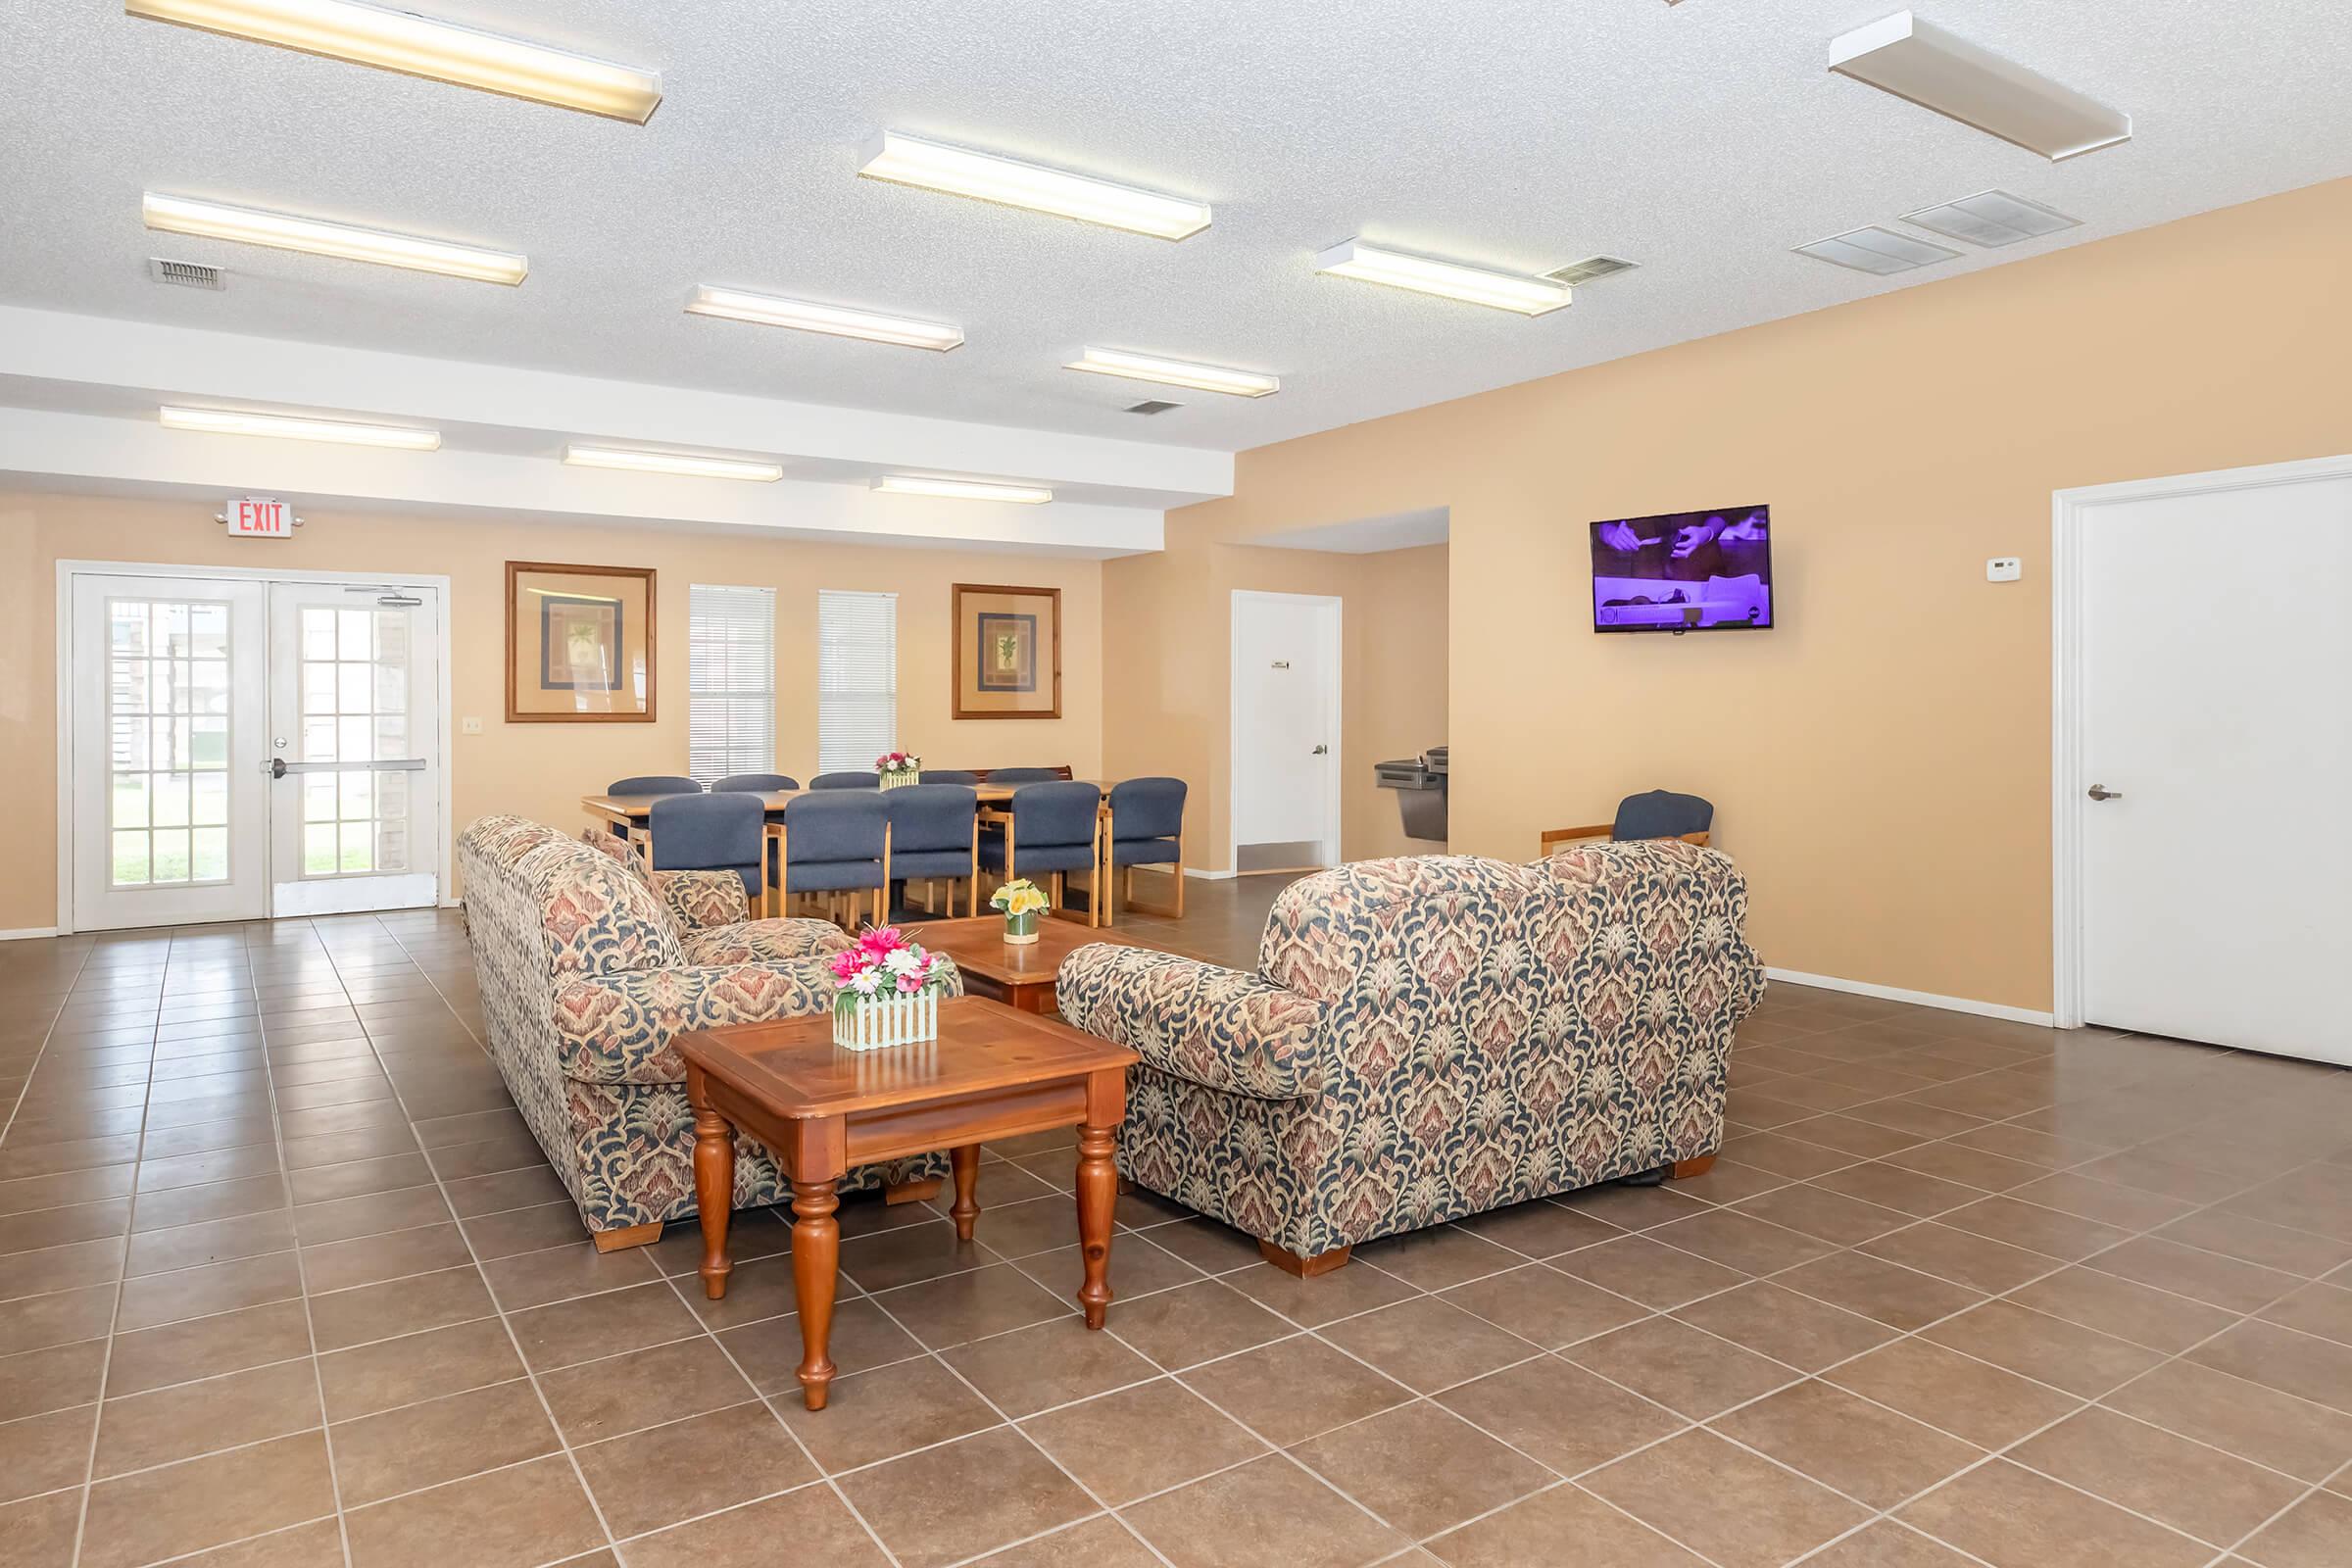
[
  {"x": 27, "y": 933},
  {"x": 1207, "y": 875},
  {"x": 1920, "y": 999}
]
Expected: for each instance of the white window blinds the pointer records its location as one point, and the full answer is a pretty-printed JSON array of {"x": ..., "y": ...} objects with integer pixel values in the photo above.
[
  {"x": 730, "y": 681},
  {"x": 856, "y": 679}
]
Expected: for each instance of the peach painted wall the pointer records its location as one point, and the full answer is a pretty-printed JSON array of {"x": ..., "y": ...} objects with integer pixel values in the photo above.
[
  {"x": 1881, "y": 761},
  {"x": 537, "y": 769}
]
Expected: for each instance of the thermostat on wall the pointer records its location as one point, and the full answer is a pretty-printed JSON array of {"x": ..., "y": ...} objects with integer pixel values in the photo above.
[{"x": 2003, "y": 569}]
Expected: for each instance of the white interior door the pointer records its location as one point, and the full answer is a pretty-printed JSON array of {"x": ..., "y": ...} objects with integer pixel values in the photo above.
[
  {"x": 354, "y": 747},
  {"x": 166, "y": 799},
  {"x": 1285, "y": 729},
  {"x": 2216, "y": 631}
]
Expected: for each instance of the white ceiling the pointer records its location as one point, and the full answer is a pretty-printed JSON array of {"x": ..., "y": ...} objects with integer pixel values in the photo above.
[{"x": 1701, "y": 140}]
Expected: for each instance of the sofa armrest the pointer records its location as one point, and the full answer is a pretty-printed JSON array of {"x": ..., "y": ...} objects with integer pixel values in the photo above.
[
  {"x": 702, "y": 901},
  {"x": 1216, "y": 1027},
  {"x": 620, "y": 1028}
]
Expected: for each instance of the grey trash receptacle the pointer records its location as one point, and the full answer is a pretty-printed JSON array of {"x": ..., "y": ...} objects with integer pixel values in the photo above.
[{"x": 1420, "y": 786}]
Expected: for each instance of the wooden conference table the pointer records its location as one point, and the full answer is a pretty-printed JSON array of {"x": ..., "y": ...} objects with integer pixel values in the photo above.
[{"x": 635, "y": 812}]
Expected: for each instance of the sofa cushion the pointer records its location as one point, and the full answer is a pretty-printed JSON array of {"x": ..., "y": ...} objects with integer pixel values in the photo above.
[
  {"x": 597, "y": 916},
  {"x": 759, "y": 941}
]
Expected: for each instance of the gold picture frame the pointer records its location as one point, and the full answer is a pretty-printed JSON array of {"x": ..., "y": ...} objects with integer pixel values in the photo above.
[
  {"x": 1007, "y": 644},
  {"x": 579, "y": 644}
]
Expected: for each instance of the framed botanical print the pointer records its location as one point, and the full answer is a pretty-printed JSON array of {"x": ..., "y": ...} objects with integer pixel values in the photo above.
[
  {"x": 1007, "y": 652},
  {"x": 579, "y": 644}
]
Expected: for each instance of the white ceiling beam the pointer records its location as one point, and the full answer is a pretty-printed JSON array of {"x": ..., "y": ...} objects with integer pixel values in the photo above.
[
  {"x": 187, "y": 362},
  {"x": 82, "y": 451}
]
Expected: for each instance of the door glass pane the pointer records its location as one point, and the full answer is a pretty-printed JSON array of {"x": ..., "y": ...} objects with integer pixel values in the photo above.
[
  {"x": 355, "y": 684},
  {"x": 169, "y": 664}
]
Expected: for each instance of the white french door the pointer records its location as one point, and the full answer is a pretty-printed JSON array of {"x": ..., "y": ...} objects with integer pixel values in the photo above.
[
  {"x": 169, "y": 814},
  {"x": 354, "y": 773},
  {"x": 242, "y": 749}
]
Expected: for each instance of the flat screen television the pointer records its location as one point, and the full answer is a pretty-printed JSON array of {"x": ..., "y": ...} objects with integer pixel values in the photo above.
[{"x": 1683, "y": 571}]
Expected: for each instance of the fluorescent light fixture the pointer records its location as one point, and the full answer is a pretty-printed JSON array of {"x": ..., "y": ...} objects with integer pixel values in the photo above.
[
  {"x": 677, "y": 462},
  {"x": 1922, "y": 64},
  {"x": 916, "y": 484},
  {"x": 806, "y": 315},
  {"x": 1991, "y": 217},
  {"x": 298, "y": 427},
  {"x": 1876, "y": 250},
  {"x": 906, "y": 160},
  {"x": 1505, "y": 291},
  {"x": 422, "y": 46},
  {"x": 315, "y": 236},
  {"x": 1175, "y": 372}
]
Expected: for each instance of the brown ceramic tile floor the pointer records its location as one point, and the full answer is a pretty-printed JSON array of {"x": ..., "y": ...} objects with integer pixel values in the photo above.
[{"x": 284, "y": 1282}]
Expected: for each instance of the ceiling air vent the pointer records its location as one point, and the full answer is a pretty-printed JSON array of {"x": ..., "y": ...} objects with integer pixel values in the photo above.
[
  {"x": 185, "y": 274},
  {"x": 1991, "y": 217},
  {"x": 1578, "y": 274},
  {"x": 1876, "y": 249},
  {"x": 1154, "y": 406}
]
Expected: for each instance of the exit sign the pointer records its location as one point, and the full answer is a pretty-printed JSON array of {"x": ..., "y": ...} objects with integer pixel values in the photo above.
[{"x": 260, "y": 517}]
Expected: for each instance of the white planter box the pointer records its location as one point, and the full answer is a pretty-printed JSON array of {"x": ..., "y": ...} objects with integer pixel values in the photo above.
[{"x": 877, "y": 1022}]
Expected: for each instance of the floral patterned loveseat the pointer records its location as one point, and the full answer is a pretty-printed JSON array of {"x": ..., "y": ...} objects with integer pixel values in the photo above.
[
  {"x": 588, "y": 971},
  {"x": 1432, "y": 1036}
]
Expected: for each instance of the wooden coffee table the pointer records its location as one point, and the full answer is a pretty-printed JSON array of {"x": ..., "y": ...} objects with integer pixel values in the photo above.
[
  {"x": 991, "y": 1073},
  {"x": 1018, "y": 976}
]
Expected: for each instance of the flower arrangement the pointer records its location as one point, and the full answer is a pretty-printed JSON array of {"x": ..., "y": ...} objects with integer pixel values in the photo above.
[
  {"x": 1021, "y": 901},
  {"x": 886, "y": 992},
  {"x": 899, "y": 768}
]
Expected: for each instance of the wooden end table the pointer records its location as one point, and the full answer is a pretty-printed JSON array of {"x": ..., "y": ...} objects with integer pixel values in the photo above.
[
  {"x": 993, "y": 1072},
  {"x": 1020, "y": 976}
]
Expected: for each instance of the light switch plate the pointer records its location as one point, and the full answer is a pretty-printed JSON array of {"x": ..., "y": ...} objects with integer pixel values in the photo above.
[
  {"x": 469, "y": 726},
  {"x": 2003, "y": 569}
]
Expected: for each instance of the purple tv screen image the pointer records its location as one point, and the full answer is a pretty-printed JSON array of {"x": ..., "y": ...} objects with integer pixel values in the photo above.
[{"x": 1683, "y": 571}]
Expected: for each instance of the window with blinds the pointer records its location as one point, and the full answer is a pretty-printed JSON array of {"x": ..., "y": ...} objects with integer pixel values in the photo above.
[
  {"x": 856, "y": 679},
  {"x": 730, "y": 681}
]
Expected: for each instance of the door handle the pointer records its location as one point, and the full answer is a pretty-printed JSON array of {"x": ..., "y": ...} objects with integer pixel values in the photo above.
[
  {"x": 2100, "y": 792},
  {"x": 279, "y": 768},
  {"x": 275, "y": 767},
  {"x": 1322, "y": 751}
]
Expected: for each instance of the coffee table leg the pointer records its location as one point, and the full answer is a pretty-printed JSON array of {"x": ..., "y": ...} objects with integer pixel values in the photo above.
[
  {"x": 815, "y": 1264},
  {"x": 1097, "y": 1194},
  {"x": 966, "y": 1164},
  {"x": 714, "y": 1195}
]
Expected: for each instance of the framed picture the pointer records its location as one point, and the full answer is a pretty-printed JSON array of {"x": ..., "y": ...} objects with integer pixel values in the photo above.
[
  {"x": 1007, "y": 652},
  {"x": 579, "y": 644}
]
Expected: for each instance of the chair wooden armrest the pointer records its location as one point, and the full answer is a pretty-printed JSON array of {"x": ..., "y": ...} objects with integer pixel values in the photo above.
[
  {"x": 1555, "y": 836},
  {"x": 993, "y": 814}
]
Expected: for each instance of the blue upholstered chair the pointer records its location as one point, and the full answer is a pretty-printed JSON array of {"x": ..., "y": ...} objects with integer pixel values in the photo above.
[
  {"x": 949, "y": 775},
  {"x": 756, "y": 783},
  {"x": 935, "y": 836},
  {"x": 1050, "y": 830},
  {"x": 651, "y": 784},
  {"x": 836, "y": 842},
  {"x": 1652, "y": 814},
  {"x": 1026, "y": 775},
  {"x": 710, "y": 833},
  {"x": 846, "y": 781},
  {"x": 1146, "y": 828}
]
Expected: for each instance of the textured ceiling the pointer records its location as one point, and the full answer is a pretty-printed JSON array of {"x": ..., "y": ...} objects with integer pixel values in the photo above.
[{"x": 1701, "y": 140}]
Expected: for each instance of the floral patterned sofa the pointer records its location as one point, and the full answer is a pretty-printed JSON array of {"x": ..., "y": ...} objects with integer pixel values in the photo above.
[
  {"x": 589, "y": 970},
  {"x": 1432, "y": 1036}
]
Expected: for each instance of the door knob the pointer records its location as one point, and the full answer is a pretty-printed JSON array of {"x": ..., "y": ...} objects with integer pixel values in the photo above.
[
  {"x": 1322, "y": 751},
  {"x": 2100, "y": 792}
]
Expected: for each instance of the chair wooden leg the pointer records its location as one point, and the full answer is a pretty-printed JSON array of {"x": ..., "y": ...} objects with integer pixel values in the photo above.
[
  {"x": 1685, "y": 1170},
  {"x": 628, "y": 1236},
  {"x": 1305, "y": 1268}
]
